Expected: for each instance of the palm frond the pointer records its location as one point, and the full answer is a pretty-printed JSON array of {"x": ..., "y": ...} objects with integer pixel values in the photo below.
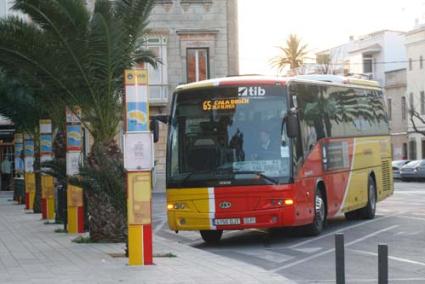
[
  {"x": 18, "y": 105},
  {"x": 292, "y": 54},
  {"x": 55, "y": 168},
  {"x": 69, "y": 56}
]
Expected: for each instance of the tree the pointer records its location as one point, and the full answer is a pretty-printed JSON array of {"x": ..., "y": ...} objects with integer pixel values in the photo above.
[
  {"x": 324, "y": 62},
  {"x": 293, "y": 54},
  {"x": 415, "y": 115},
  {"x": 78, "y": 58},
  {"x": 17, "y": 103}
]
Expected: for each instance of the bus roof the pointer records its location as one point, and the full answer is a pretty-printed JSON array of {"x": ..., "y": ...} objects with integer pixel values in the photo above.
[{"x": 271, "y": 80}]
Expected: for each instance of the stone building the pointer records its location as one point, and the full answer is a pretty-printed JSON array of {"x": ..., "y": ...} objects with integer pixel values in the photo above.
[
  {"x": 395, "y": 92},
  {"x": 195, "y": 40},
  {"x": 415, "y": 46}
]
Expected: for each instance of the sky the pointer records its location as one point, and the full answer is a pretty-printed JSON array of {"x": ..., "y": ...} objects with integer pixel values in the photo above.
[{"x": 266, "y": 24}]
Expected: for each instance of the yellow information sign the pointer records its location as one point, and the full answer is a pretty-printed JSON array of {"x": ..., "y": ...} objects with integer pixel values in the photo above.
[
  {"x": 136, "y": 77},
  {"x": 224, "y": 104},
  {"x": 74, "y": 196},
  {"x": 48, "y": 187},
  {"x": 139, "y": 198}
]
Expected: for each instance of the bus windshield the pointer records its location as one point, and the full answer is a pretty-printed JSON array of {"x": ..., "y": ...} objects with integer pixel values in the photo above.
[{"x": 229, "y": 136}]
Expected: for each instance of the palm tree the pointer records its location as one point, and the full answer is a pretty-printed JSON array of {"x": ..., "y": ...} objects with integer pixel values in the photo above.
[
  {"x": 77, "y": 58},
  {"x": 18, "y": 104},
  {"x": 292, "y": 54}
]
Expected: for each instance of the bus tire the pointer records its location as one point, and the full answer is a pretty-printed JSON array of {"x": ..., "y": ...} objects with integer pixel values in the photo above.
[
  {"x": 352, "y": 215},
  {"x": 319, "y": 220},
  {"x": 211, "y": 236},
  {"x": 368, "y": 212}
]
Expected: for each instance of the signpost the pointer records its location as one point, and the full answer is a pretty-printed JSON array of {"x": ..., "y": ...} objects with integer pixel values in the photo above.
[
  {"x": 29, "y": 171},
  {"x": 75, "y": 204},
  {"x": 47, "y": 184},
  {"x": 138, "y": 161}
]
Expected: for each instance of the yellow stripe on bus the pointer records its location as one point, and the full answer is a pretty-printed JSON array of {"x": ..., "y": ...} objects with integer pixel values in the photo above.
[{"x": 370, "y": 152}]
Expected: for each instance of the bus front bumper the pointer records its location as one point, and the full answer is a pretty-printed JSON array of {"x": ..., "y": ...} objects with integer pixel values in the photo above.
[{"x": 195, "y": 221}]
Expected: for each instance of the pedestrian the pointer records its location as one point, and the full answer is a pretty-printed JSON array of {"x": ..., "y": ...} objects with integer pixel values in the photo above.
[{"x": 6, "y": 172}]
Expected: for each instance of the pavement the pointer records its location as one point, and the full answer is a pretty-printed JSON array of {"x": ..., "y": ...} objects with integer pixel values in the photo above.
[
  {"x": 32, "y": 252},
  {"x": 399, "y": 223},
  {"x": 159, "y": 183}
]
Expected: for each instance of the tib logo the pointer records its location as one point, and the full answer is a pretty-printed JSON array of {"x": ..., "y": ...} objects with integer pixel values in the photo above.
[{"x": 251, "y": 92}]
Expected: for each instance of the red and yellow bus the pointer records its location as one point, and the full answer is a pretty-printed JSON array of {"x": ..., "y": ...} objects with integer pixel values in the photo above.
[{"x": 268, "y": 152}]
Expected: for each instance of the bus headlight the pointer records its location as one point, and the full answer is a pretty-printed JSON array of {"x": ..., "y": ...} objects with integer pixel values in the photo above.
[
  {"x": 176, "y": 205},
  {"x": 276, "y": 202}
]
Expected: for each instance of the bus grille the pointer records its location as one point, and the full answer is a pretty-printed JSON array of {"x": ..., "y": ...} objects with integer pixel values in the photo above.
[{"x": 386, "y": 176}]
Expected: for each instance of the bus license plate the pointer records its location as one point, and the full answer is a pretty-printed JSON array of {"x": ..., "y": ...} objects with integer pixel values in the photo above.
[{"x": 231, "y": 221}]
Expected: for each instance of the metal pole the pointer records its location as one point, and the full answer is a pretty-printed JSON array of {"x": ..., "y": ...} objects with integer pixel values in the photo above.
[
  {"x": 339, "y": 259},
  {"x": 383, "y": 264}
]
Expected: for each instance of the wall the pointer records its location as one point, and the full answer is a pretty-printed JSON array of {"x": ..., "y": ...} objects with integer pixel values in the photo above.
[
  {"x": 415, "y": 45},
  {"x": 394, "y": 51},
  {"x": 395, "y": 89},
  {"x": 384, "y": 46},
  {"x": 193, "y": 24}
]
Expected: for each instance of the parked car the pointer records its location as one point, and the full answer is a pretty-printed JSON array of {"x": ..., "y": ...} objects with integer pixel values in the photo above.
[
  {"x": 413, "y": 170},
  {"x": 397, "y": 164}
]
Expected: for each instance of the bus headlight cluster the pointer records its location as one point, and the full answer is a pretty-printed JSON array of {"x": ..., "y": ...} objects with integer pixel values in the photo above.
[
  {"x": 281, "y": 202},
  {"x": 177, "y": 205},
  {"x": 276, "y": 202}
]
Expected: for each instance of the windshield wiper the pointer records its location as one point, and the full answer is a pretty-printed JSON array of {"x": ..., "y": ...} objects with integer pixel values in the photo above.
[
  {"x": 186, "y": 178},
  {"x": 191, "y": 174},
  {"x": 257, "y": 173},
  {"x": 224, "y": 171}
]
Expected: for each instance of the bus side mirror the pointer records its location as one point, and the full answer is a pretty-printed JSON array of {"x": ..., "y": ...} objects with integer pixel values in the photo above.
[
  {"x": 154, "y": 126},
  {"x": 292, "y": 124}
]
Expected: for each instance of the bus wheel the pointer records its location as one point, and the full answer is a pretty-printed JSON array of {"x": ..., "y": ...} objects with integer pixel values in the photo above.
[
  {"x": 211, "y": 236},
  {"x": 319, "y": 220},
  {"x": 368, "y": 212},
  {"x": 352, "y": 215}
]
